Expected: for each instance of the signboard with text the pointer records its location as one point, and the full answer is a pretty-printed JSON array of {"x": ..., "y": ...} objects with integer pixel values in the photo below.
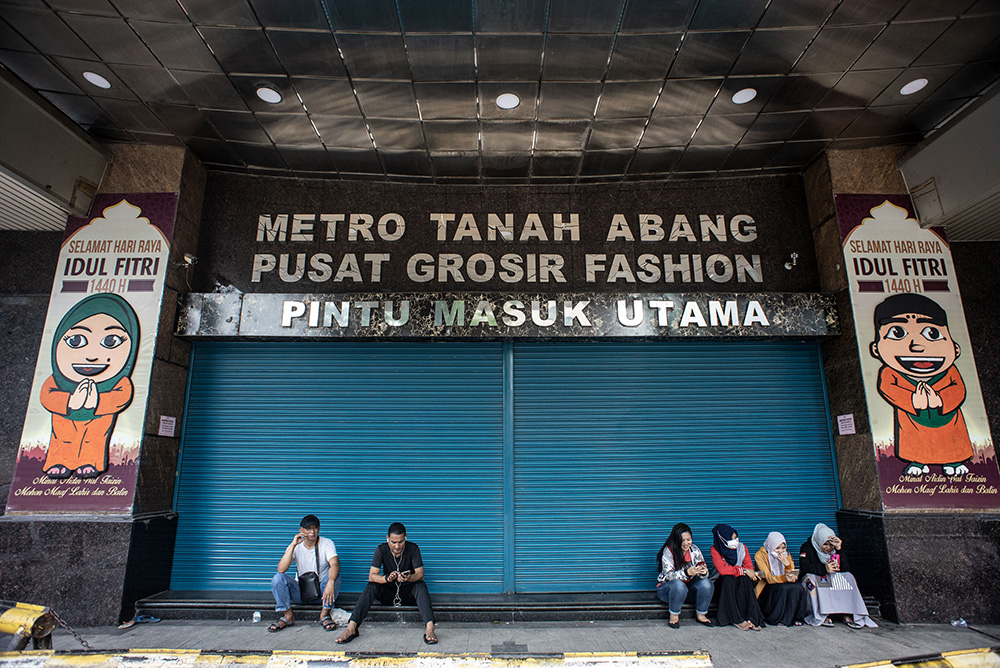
[
  {"x": 79, "y": 449},
  {"x": 932, "y": 441},
  {"x": 731, "y": 259}
]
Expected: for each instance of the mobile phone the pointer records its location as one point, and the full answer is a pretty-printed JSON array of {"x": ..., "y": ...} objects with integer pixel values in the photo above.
[{"x": 835, "y": 558}]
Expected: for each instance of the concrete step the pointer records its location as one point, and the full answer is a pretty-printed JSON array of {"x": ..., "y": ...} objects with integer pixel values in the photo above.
[{"x": 234, "y": 605}]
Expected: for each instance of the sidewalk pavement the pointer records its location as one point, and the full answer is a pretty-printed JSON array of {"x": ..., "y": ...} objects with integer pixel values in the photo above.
[{"x": 727, "y": 647}]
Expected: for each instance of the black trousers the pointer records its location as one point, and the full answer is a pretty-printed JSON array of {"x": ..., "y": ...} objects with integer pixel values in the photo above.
[{"x": 410, "y": 593}]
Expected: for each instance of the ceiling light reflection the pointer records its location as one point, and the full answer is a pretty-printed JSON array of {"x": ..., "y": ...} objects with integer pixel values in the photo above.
[
  {"x": 97, "y": 79},
  {"x": 508, "y": 101},
  {"x": 913, "y": 87},
  {"x": 269, "y": 95},
  {"x": 744, "y": 96}
]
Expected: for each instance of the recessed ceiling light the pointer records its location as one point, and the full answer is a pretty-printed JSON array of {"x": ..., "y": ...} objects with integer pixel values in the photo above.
[
  {"x": 269, "y": 95},
  {"x": 913, "y": 87},
  {"x": 744, "y": 96},
  {"x": 97, "y": 79},
  {"x": 508, "y": 101}
]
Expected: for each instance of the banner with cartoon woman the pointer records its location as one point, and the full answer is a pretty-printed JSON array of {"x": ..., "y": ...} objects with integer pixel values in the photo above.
[
  {"x": 929, "y": 427},
  {"x": 79, "y": 450}
]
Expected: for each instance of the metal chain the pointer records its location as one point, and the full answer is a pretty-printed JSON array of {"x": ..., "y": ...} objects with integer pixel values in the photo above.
[{"x": 70, "y": 629}]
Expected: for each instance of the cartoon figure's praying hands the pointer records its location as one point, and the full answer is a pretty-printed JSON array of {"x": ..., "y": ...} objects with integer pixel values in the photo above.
[
  {"x": 84, "y": 396},
  {"x": 925, "y": 397}
]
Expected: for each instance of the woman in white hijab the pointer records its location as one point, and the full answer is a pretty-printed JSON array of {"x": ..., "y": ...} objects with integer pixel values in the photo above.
[
  {"x": 831, "y": 589},
  {"x": 782, "y": 600}
]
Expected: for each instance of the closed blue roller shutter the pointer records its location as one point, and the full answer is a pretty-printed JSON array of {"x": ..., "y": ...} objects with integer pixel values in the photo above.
[
  {"x": 361, "y": 434},
  {"x": 617, "y": 442}
]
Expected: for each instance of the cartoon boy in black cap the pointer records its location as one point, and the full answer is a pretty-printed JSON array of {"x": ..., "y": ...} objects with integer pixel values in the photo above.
[{"x": 919, "y": 379}]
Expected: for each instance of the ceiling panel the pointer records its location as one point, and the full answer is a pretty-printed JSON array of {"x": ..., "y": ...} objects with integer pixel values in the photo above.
[
  {"x": 447, "y": 16},
  {"x": 509, "y": 57},
  {"x": 46, "y": 32},
  {"x": 237, "y": 126},
  {"x": 285, "y": 14},
  {"x": 210, "y": 91},
  {"x": 728, "y": 14},
  {"x": 452, "y": 135},
  {"x": 609, "y": 89},
  {"x": 773, "y": 51},
  {"x": 507, "y": 136},
  {"x": 836, "y": 48},
  {"x": 708, "y": 53},
  {"x": 561, "y": 135},
  {"x": 374, "y": 56},
  {"x": 628, "y": 99},
  {"x": 176, "y": 45},
  {"x": 441, "y": 57},
  {"x": 568, "y": 100},
  {"x": 584, "y": 16},
  {"x": 396, "y": 134},
  {"x": 38, "y": 72},
  {"x": 308, "y": 53},
  {"x": 329, "y": 97},
  {"x": 643, "y": 57},
  {"x": 213, "y": 12},
  {"x": 387, "y": 99},
  {"x": 242, "y": 50},
  {"x": 446, "y": 99},
  {"x": 610, "y": 135},
  {"x": 342, "y": 131},
  {"x": 576, "y": 57},
  {"x": 185, "y": 122},
  {"x": 797, "y": 13},
  {"x": 153, "y": 11}
]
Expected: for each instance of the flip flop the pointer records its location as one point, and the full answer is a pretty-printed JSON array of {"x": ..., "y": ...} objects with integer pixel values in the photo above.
[
  {"x": 328, "y": 624},
  {"x": 827, "y": 622},
  {"x": 144, "y": 619},
  {"x": 430, "y": 640}
]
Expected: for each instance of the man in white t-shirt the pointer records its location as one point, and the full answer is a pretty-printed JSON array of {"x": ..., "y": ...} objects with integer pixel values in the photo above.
[{"x": 305, "y": 550}]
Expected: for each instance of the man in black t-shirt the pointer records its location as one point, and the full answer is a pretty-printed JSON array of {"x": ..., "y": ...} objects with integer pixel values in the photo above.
[{"x": 396, "y": 577}]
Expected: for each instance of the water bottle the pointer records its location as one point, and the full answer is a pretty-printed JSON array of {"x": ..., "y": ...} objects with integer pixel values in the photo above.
[{"x": 256, "y": 616}]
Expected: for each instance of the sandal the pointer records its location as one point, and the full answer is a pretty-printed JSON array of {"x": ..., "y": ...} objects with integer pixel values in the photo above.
[
  {"x": 279, "y": 624},
  {"x": 853, "y": 624},
  {"x": 328, "y": 623},
  {"x": 430, "y": 640},
  {"x": 827, "y": 622},
  {"x": 58, "y": 472},
  {"x": 346, "y": 638}
]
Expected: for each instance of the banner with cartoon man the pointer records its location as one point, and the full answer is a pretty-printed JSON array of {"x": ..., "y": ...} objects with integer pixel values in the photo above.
[
  {"x": 79, "y": 450},
  {"x": 932, "y": 440}
]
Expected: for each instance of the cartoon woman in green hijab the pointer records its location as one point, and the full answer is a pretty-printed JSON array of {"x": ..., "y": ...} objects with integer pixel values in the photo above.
[{"x": 93, "y": 354}]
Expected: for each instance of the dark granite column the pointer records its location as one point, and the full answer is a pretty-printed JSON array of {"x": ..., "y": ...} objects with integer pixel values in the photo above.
[
  {"x": 927, "y": 566},
  {"x": 92, "y": 570}
]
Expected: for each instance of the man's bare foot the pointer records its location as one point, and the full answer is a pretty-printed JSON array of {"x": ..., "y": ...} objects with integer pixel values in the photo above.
[
  {"x": 430, "y": 637},
  {"x": 349, "y": 634}
]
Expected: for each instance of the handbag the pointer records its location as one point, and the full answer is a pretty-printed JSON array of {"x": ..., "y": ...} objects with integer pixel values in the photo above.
[{"x": 309, "y": 582}]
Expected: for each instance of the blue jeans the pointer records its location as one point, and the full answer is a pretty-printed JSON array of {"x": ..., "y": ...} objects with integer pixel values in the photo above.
[
  {"x": 286, "y": 590},
  {"x": 676, "y": 592}
]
